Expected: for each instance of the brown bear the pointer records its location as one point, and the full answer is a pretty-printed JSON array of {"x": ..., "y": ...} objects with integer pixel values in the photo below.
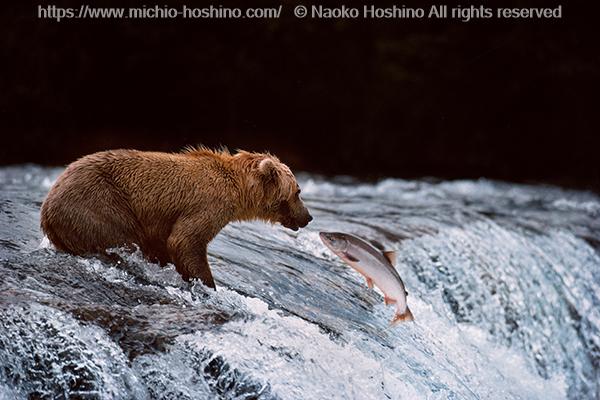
[{"x": 171, "y": 205}]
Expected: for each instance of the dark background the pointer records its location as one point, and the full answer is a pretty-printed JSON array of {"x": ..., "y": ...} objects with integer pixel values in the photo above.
[{"x": 511, "y": 100}]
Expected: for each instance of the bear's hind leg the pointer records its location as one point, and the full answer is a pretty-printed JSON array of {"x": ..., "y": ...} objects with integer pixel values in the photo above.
[{"x": 81, "y": 224}]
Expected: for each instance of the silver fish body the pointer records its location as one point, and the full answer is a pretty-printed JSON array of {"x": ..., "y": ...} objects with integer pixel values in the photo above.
[{"x": 376, "y": 266}]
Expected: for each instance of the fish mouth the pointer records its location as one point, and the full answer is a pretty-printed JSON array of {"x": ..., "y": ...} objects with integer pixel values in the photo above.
[
  {"x": 327, "y": 239},
  {"x": 324, "y": 236},
  {"x": 328, "y": 235}
]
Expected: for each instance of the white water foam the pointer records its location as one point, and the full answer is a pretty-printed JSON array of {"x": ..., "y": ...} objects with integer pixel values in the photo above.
[{"x": 299, "y": 361}]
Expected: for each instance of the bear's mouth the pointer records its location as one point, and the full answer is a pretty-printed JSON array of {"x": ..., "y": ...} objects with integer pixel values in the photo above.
[
  {"x": 294, "y": 224},
  {"x": 290, "y": 221},
  {"x": 291, "y": 226}
]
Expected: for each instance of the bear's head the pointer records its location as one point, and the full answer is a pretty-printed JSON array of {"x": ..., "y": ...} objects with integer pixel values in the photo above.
[{"x": 273, "y": 192}]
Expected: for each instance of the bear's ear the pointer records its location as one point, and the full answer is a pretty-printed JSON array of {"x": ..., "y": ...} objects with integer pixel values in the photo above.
[{"x": 267, "y": 168}]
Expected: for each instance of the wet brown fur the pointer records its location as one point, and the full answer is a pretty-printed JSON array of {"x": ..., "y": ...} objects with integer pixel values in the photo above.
[{"x": 169, "y": 204}]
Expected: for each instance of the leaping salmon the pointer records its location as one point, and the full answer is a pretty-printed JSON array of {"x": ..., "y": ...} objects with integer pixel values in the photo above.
[{"x": 377, "y": 267}]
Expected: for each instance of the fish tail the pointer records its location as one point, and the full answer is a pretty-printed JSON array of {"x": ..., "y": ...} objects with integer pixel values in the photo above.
[{"x": 405, "y": 317}]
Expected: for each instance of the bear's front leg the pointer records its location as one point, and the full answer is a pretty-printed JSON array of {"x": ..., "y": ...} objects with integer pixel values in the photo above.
[
  {"x": 188, "y": 251},
  {"x": 192, "y": 263}
]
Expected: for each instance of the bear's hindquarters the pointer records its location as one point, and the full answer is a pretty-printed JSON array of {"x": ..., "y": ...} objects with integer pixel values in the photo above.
[{"x": 88, "y": 217}]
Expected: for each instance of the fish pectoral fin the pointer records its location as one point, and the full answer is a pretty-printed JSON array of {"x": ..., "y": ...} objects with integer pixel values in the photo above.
[
  {"x": 350, "y": 257},
  {"x": 405, "y": 317},
  {"x": 369, "y": 282},
  {"x": 388, "y": 300},
  {"x": 391, "y": 256}
]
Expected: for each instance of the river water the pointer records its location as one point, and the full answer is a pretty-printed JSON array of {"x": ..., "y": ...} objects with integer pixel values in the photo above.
[{"x": 503, "y": 281}]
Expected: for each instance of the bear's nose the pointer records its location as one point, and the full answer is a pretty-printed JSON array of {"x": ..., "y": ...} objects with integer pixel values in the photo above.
[{"x": 307, "y": 220}]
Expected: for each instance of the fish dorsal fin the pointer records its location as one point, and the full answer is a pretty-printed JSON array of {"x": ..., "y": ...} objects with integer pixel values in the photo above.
[
  {"x": 391, "y": 256},
  {"x": 377, "y": 245}
]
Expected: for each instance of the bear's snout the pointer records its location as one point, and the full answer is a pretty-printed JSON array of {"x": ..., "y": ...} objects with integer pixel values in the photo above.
[
  {"x": 294, "y": 220},
  {"x": 295, "y": 224},
  {"x": 302, "y": 221},
  {"x": 306, "y": 220}
]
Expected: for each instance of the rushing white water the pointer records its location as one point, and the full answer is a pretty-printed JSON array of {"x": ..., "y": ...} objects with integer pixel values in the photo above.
[{"x": 503, "y": 280}]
